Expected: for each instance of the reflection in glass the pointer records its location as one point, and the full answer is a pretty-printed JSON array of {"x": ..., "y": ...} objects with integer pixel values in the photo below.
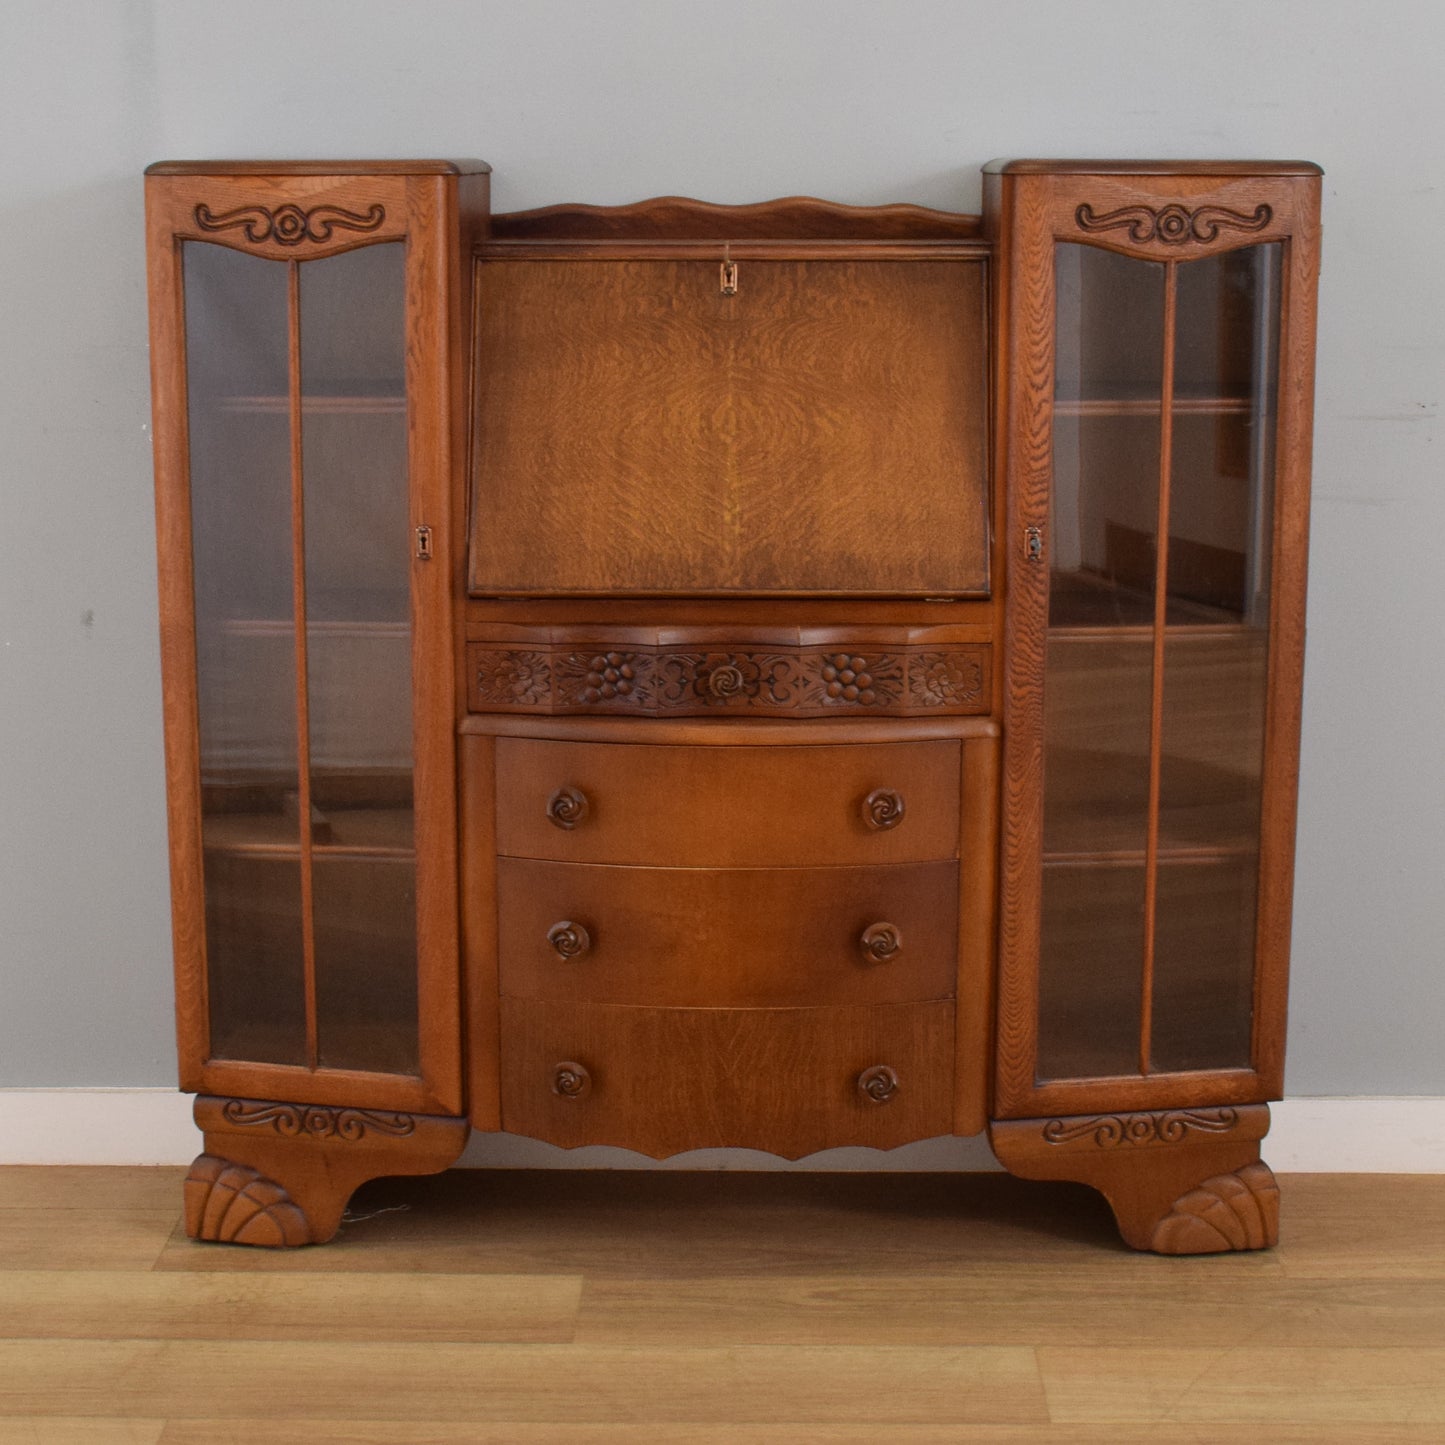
[
  {"x": 358, "y": 649},
  {"x": 1215, "y": 673},
  {"x": 1098, "y": 672},
  {"x": 1156, "y": 668},
  {"x": 236, "y": 374}
]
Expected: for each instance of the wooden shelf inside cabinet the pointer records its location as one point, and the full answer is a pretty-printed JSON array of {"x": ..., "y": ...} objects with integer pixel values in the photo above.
[
  {"x": 350, "y": 404},
  {"x": 1149, "y": 406},
  {"x": 375, "y": 833},
  {"x": 1084, "y": 604}
]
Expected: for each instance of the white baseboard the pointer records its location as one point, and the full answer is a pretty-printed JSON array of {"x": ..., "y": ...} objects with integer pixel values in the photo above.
[{"x": 153, "y": 1126}]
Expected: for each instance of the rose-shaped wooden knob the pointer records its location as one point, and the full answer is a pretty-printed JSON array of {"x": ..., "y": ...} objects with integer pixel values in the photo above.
[
  {"x": 570, "y": 1080},
  {"x": 878, "y": 1084},
  {"x": 567, "y": 807},
  {"x": 570, "y": 940},
  {"x": 879, "y": 942},
  {"x": 883, "y": 809}
]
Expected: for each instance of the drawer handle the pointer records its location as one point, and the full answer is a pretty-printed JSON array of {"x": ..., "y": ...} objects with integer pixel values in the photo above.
[
  {"x": 571, "y": 940},
  {"x": 570, "y": 1080},
  {"x": 878, "y": 1084},
  {"x": 879, "y": 942},
  {"x": 567, "y": 807},
  {"x": 883, "y": 809}
]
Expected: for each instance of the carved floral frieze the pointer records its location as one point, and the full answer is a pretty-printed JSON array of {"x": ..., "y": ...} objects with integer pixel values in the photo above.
[{"x": 661, "y": 681}]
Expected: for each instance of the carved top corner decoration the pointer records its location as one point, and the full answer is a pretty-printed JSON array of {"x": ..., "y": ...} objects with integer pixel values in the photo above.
[
  {"x": 290, "y": 225},
  {"x": 1173, "y": 225}
]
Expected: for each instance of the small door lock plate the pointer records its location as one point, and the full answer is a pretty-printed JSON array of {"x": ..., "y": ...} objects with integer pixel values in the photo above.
[{"x": 1034, "y": 543}]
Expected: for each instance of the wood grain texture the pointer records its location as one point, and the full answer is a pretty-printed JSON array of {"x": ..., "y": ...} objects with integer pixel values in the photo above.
[
  {"x": 435, "y": 366},
  {"x": 1025, "y": 342},
  {"x": 402, "y": 1382},
  {"x": 1335, "y": 1337},
  {"x": 417, "y": 202},
  {"x": 859, "y": 382},
  {"x": 727, "y": 938},
  {"x": 728, "y": 807},
  {"x": 1159, "y": 168},
  {"x": 1187, "y": 1181},
  {"x": 319, "y": 168},
  {"x": 709, "y": 676},
  {"x": 676, "y": 218},
  {"x": 78, "y": 1304},
  {"x": 68, "y": 1430},
  {"x": 102, "y": 1236},
  {"x": 1253, "y": 1385},
  {"x": 1023, "y": 1304},
  {"x": 977, "y": 923},
  {"x": 477, "y": 756},
  {"x": 517, "y": 1432},
  {"x": 1293, "y": 450},
  {"x": 783, "y": 1080},
  {"x": 1031, "y": 206},
  {"x": 279, "y": 1175}
]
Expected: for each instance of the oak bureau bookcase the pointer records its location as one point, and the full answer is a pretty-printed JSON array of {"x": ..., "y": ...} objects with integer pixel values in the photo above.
[{"x": 776, "y": 676}]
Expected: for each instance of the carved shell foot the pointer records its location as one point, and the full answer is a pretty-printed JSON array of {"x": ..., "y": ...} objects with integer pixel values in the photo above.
[
  {"x": 1230, "y": 1211},
  {"x": 231, "y": 1204}
]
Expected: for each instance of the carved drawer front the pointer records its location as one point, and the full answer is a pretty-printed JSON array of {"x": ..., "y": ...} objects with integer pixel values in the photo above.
[
  {"x": 728, "y": 806},
  {"x": 718, "y": 938},
  {"x": 788, "y": 1081}
]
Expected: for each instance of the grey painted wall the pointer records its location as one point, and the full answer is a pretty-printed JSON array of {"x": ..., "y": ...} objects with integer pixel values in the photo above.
[{"x": 850, "y": 99}]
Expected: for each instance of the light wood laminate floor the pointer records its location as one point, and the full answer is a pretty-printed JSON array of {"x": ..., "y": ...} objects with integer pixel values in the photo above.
[{"x": 722, "y": 1309}]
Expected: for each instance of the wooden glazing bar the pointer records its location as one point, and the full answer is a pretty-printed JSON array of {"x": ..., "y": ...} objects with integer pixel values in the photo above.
[
  {"x": 298, "y": 607},
  {"x": 1156, "y": 706}
]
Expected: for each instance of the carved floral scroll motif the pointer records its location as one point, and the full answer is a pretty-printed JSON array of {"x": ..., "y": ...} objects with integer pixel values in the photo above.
[
  {"x": 289, "y": 225},
  {"x": 294, "y": 1121},
  {"x": 651, "y": 682},
  {"x": 1109, "y": 1131},
  {"x": 1173, "y": 225}
]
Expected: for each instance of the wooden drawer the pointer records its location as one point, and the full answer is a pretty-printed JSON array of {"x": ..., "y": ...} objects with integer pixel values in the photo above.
[
  {"x": 728, "y": 806},
  {"x": 788, "y": 1081},
  {"x": 717, "y": 938}
]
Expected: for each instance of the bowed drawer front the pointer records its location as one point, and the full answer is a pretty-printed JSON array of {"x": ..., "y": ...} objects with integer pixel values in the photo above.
[
  {"x": 722, "y": 807},
  {"x": 790, "y": 1081},
  {"x": 727, "y": 938}
]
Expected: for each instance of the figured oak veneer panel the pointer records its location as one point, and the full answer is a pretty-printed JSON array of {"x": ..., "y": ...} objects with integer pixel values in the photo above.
[
  {"x": 717, "y": 938},
  {"x": 663, "y": 1080},
  {"x": 821, "y": 431},
  {"x": 721, "y": 807}
]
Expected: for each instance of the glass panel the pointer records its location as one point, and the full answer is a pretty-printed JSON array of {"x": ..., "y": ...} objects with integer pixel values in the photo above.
[
  {"x": 240, "y": 475},
  {"x": 1204, "y": 963},
  {"x": 1222, "y": 467},
  {"x": 358, "y": 645},
  {"x": 1089, "y": 994},
  {"x": 1215, "y": 674},
  {"x": 1099, "y": 663},
  {"x": 1108, "y": 374}
]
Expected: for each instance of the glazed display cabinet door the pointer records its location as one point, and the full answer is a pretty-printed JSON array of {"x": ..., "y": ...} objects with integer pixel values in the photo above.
[
  {"x": 300, "y": 338},
  {"x": 1155, "y": 622}
]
